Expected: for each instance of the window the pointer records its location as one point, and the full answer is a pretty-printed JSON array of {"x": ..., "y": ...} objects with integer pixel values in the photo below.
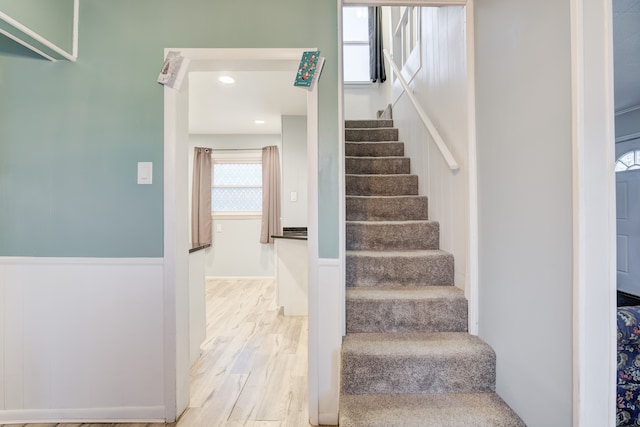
[
  {"x": 628, "y": 161},
  {"x": 236, "y": 185},
  {"x": 355, "y": 31}
]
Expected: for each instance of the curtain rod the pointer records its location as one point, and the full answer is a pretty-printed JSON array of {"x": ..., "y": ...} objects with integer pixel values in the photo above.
[{"x": 236, "y": 149}]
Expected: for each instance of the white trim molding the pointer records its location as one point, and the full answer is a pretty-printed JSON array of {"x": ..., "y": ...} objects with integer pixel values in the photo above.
[
  {"x": 53, "y": 49},
  {"x": 594, "y": 225},
  {"x": 259, "y": 59}
]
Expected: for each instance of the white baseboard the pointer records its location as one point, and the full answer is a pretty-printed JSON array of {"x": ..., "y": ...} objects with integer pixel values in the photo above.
[
  {"x": 328, "y": 419},
  {"x": 151, "y": 414}
]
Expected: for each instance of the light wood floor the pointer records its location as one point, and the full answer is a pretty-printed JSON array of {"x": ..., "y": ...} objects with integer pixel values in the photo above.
[{"x": 253, "y": 370}]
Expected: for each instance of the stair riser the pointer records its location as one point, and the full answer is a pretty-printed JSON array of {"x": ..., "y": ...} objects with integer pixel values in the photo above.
[
  {"x": 440, "y": 315},
  {"x": 390, "y": 236},
  {"x": 381, "y": 165},
  {"x": 386, "y": 208},
  {"x": 374, "y": 134},
  {"x": 374, "y": 149},
  {"x": 362, "y": 270},
  {"x": 446, "y": 373},
  {"x": 381, "y": 185},
  {"x": 368, "y": 123}
]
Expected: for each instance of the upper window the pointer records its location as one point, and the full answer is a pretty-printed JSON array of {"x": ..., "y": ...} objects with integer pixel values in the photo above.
[
  {"x": 236, "y": 185},
  {"x": 628, "y": 161},
  {"x": 355, "y": 31}
]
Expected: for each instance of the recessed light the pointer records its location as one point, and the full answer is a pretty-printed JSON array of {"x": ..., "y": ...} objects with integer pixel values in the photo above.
[
  {"x": 227, "y": 79},
  {"x": 258, "y": 122}
]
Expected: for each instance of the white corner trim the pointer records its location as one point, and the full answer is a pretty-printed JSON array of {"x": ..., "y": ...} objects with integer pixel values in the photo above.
[
  {"x": 472, "y": 281},
  {"x": 29, "y": 32},
  {"x": 76, "y": 21}
]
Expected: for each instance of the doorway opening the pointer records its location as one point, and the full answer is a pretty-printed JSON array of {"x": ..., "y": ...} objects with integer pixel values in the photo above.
[{"x": 178, "y": 300}]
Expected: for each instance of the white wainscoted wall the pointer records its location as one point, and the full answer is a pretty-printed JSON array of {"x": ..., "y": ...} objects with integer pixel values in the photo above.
[
  {"x": 441, "y": 87},
  {"x": 81, "y": 338}
]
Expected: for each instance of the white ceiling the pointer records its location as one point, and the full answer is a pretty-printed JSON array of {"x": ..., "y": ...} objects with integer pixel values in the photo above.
[
  {"x": 218, "y": 108},
  {"x": 626, "y": 53}
]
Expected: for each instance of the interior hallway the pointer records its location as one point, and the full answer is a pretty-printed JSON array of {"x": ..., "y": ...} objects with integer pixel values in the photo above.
[{"x": 253, "y": 369}]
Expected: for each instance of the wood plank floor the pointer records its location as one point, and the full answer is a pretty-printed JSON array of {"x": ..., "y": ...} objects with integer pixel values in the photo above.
[{"x": 253, "y": 369}]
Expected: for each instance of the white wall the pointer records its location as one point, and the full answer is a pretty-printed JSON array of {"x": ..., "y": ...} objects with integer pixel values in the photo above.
[
  {"x": 440, "y": 86},
  {"x": 81, "y": 339},
  {"x": 362, "y": 101},
  {"x": 236, "y": 250},
  {"x": 294, "y": 171},
  {"x": 524, "y": 147}
]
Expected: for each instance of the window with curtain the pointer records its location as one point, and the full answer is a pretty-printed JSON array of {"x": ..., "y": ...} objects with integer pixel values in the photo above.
[{"x": 236, "y": 185}]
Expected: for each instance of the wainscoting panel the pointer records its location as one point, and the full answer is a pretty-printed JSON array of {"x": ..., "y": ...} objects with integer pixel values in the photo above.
[
  {"x": 81, "y": 339},
  {"x": 330, "y": 297}
]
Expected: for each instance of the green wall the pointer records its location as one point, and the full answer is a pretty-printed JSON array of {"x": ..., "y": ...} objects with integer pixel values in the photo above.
[
  {"x": 71, "y": 134},
  {"x": 52, "y": 19}
]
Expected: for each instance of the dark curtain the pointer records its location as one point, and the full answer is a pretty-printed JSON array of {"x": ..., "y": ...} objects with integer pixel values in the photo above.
[{"x": 376, "y": 58}]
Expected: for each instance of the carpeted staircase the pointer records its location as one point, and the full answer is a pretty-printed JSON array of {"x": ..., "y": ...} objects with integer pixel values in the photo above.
[{"x": 407, "y": 359}]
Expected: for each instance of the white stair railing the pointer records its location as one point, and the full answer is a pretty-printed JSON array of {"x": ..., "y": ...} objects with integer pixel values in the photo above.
[{"x": 442, "y": 146}]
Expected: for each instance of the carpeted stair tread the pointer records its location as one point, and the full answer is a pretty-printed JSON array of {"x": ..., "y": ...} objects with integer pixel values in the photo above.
[
  {"x": 432, "y": 267},
  {"x": 381, "y": 208},
  {"x": 384, "y": 123},
  {"x": 370, "y": 134},
  {"x": 416, "y": 344},
  {"x": 427, "y": 410},
  {"x": 381, "y": 185},
  {"x": 407, "y": 309},
  {"x": 416, "y": 363},
  {"x": 386, "y": 165},
  {"x": 374, "y": 148},
  {"x": 392, "y": 235}
]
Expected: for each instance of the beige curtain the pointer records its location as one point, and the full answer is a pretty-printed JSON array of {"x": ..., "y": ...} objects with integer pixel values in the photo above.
[
  {"x": 270, "y": 194},
  {"x": 201, "y": 232}
]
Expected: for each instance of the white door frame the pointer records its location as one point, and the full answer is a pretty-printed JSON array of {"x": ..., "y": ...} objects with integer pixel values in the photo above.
[
  {"x": 174, "y": 306},
  {"x": 594, "y": 219}
]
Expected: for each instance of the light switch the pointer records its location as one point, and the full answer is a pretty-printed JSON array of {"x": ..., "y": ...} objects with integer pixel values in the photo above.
[
  {"x": 145, "y": 172},
  {"x": 218, "y": 228},
  {"x": 294, "y": 196}
]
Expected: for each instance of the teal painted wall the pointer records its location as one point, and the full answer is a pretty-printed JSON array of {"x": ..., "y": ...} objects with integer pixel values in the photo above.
[
  {"x": 71, "y": 134},
  {"x": 52, "y": 19}
]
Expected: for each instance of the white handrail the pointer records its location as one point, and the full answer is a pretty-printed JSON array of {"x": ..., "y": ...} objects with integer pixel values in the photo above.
[{"x": 442, "y": 146}]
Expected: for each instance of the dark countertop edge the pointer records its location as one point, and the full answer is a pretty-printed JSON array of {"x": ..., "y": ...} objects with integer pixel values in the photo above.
[
  {"x": 280, "y": 236},
  {"x": 199, "y": 248}
]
